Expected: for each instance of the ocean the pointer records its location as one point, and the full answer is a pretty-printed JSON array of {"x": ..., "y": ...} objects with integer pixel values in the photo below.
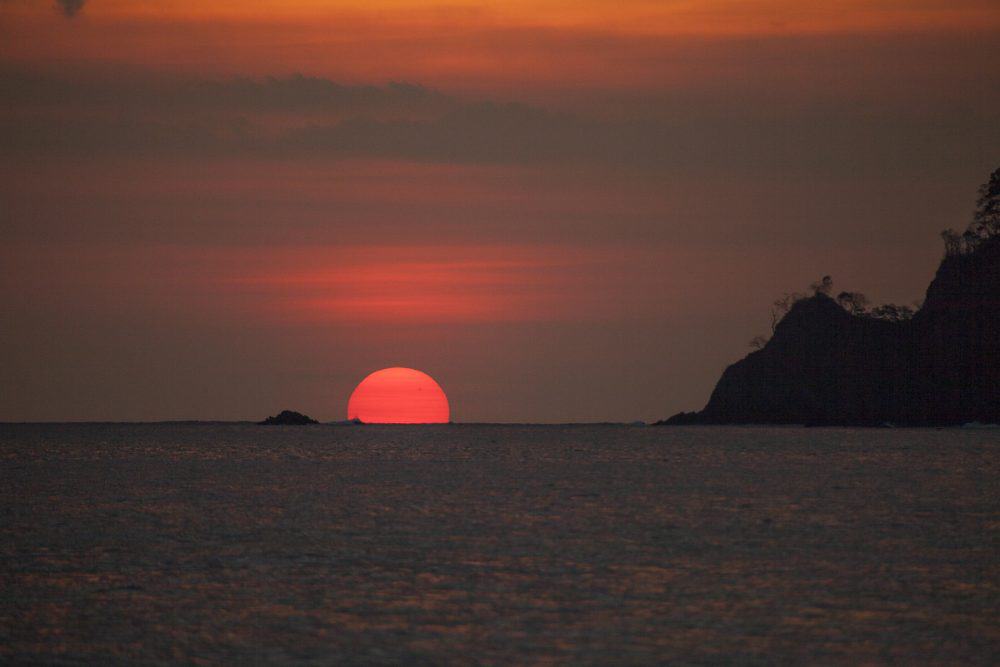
[{"x": 209, "y": 543}]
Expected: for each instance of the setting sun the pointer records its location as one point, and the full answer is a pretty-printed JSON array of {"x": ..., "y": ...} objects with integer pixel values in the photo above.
[{"x": 398, "y": 396}]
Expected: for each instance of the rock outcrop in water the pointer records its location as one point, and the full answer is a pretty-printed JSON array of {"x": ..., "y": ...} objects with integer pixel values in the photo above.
[
  {"x": 826, "y": 366},
  {"x": 288, "y": 418}
]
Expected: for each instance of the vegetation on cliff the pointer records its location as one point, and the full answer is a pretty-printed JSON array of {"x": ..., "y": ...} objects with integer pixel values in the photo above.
[{"x": 836, "y": 360}]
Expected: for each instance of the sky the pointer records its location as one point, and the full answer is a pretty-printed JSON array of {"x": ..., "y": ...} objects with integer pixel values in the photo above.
[{"x": 560, "y": 210}]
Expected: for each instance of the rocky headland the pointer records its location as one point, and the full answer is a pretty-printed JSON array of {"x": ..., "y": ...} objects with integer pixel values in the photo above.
[{"x": 830, "y": 362}]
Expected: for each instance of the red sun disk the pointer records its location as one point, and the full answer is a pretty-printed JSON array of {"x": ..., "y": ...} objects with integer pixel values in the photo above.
[{"x": 399, "y": 396}]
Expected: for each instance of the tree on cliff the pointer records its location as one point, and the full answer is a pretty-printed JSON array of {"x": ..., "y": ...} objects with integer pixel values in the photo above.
[
  {"x": 855, "y": 303},
  {"x": 822, "y": 286},
  {"x": 952, "y": 242},
  {"x": 985, "y": 225},
  {"x": 782, "y": 305},
  {"x": 892, "y": 312},
  {"x": 987, "y": 216}
]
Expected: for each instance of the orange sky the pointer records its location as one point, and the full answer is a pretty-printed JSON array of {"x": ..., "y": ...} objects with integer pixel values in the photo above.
[
  {"x": 633, "y": 16},
  {"x": 470, "y": 45},
  {"x": 568, "y": 210}
]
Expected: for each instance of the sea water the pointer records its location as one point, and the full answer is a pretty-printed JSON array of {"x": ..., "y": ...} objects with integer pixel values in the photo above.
[{"x": 228, "y": 543}]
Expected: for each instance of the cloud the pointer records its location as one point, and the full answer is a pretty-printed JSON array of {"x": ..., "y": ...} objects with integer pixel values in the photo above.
[
  {"x": 149, "y": 94},
  {"x": 95, "y": 113},
  {"x": 70, "y": 7},
  {"x": 303, "y": 93}
]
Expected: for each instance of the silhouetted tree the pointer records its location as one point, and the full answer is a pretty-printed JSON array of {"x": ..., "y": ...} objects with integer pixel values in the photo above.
[
  {"x": 987, "y": 215},
  {"x": 952, "y": 242},
  {"x": 970, "y": 241},
  {"x": 985, "y": 223},
  {"x": 822, "y": 286},
  {"x": 782, "y": 305},
  {"x": 853, "y": 302},
  {"x": 892, "y": 313}
]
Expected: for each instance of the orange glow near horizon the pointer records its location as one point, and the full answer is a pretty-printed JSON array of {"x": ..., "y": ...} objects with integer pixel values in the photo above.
[
  {"x": 425, "y": 284},
  {"x": 399, "y": 396}
]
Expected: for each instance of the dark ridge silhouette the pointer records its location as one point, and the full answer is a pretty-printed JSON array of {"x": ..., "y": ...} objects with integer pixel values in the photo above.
[
  {"x": 288, "y": 418},
  {"x": 831, "y": 362}
]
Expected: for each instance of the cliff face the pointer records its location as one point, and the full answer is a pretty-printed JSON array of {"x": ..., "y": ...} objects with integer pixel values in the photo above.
[
  {"x": 825, "y": 366},
  {"x": 957, "y": 346}
]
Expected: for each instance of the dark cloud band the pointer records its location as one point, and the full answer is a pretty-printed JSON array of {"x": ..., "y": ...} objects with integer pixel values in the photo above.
[{"x": 96, "y": 114}]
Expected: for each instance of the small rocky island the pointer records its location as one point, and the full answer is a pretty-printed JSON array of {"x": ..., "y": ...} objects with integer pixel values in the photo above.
[
  {"x": 833, "y": 360},
  {"x": 288, "y": 418}
]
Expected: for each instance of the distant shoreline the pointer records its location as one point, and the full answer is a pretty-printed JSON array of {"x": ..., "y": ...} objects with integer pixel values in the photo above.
[{"x": 247, "y": 422}]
